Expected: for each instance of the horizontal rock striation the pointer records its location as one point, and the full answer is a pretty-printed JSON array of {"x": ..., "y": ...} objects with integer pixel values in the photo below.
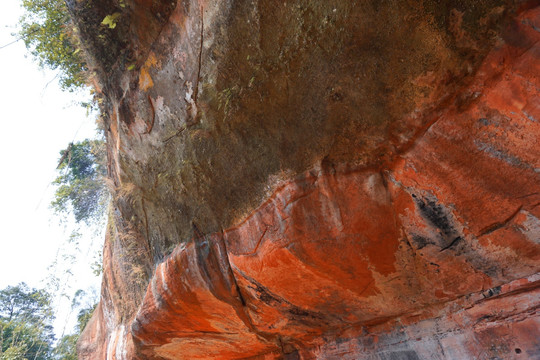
[{"x": 321, "y": 180}]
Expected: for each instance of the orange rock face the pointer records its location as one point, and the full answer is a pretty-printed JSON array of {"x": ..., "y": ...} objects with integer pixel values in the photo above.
[{"x": 416, "y": 236}]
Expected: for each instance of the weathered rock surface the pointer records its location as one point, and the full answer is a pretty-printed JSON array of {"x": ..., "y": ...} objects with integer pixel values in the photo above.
[{"x": 319, "y": 179}]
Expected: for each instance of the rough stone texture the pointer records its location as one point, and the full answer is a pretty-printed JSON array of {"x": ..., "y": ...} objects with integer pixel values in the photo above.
[{"x": 320, "y": 180}]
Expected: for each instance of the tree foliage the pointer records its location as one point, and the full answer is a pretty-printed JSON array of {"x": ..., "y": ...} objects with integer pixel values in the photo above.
[
  {"x": 26, "y": 331},
  {"x": 80, "y": 186},
  {"x": 25, "y": 323},
  {"x": 51, "y": 37},
  {"x": 66, "y": 349}
]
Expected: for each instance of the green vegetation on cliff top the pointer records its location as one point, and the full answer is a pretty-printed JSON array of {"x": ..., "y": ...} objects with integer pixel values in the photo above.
[{"x": 51, "y": 38}]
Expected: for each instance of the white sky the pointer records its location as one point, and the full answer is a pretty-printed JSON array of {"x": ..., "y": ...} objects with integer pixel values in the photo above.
[{"x": 37, "y": 121}]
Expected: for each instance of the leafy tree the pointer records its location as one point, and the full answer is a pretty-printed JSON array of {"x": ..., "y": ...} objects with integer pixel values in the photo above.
[
  {"x": 84, "y": 317},
  {"x": 80, "y": 186},
  {"x": 26, "y": 332},
  {"x": 51, "y": 37},
  {"x": 25, "y": 323},
  {"x": 66, "y": 349},
  {"x": 25, "y": 304}
]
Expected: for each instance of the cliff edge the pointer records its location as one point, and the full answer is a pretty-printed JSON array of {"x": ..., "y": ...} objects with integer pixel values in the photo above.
[{"x": 318, "y": 179}]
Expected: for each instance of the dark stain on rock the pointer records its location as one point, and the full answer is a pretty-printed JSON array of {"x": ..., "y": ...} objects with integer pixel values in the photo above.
[
  {"x": 438, "y": 217},
  {"x": 420, "y": 242},
  {"x": 266, "y": 297},
  {"x": 484, "y": 121},
  {"x": 292, "y": 356},
  {"x": 399, "y": 355},
  {"x": 435, "y": 214},
  {"x": 491, "y": 292}
]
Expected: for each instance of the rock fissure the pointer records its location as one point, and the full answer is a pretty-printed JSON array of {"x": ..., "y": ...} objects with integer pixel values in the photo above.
[
  {"x": 258, "y": 242},
  {"x": 196, "y": 91},
  {"x": 152, "y": 117},
  {"x": 498, "y": 225}
]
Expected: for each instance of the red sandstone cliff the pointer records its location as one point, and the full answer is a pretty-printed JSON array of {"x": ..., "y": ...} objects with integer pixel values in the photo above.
[{"x": 319, "y": 179}]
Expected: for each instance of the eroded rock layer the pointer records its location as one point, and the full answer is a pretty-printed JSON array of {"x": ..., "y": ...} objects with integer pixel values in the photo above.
[{"x": 320, "y": 180}]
